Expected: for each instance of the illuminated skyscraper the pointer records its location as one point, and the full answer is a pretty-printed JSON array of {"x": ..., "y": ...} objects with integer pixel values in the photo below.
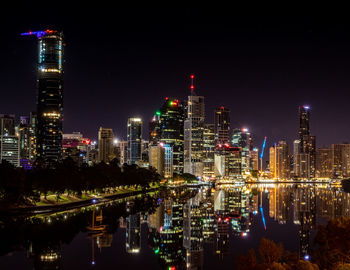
[
  {"x": 167, "y": 127},
  {"x": 324, "y": 163},
  {"x": 9, "y": 141},
  {"x": 341, "y": 160},
  {"x": 222, "y": 125},
  {"x": 105, "y": 145},
  {"x": 27, "y": 140},
  {"x": 279, "y": 161},
  {"x": 304, "y": 123},
  {"x": 49, "y": 95},
  {"x": 193, "y": 134},
  {"x": 134, "y": 140},
  {"x": 307, "y": 142},
  {"x": 208, "y": 151},
  {"x": 242, "y": 138}
]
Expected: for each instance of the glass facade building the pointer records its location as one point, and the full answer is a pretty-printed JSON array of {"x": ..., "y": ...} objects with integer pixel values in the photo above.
[
  {"x": 134, "y": 140},
  {"x": 50, "y": 96}
]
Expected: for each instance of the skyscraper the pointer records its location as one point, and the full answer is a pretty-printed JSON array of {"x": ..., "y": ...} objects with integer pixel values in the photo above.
[
  {"x": 222, "y": 125},
  {"x": 242, "y": 138},
  {"x": 208, "y": 151},
  {"x": 167, "y": 126},
  {"x": 105, "y": 145},
  {"x": 27, "y": 140},
  {"x": 193, "y": 134},
  {"x": 324, "y": 163},
  {"x": 134, "y": 140},
  {"x": 341, "y": 160},
  {"x": 304, "y": 123},
  {"x": 279, "y": 161},
  {"x": 307, "y": 142},
  {"x": 9, "y": 141},
  {"x": 49, "y": 95}
]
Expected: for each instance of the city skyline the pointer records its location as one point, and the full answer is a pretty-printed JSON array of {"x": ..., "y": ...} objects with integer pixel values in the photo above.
[{"x": 284, "y": 59}]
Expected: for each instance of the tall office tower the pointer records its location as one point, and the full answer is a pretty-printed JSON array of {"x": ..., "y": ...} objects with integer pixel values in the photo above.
[
  {"x": 341, "y": 160},
  {"x": 27, "y": 140},
  {"x": 156, "y": 158},
  {"x": 222, "y": 125},
  {"x": 105, "y": 145},
  {"x": 123, "y": 149},
  {"x": 254, "y": 159},
  {"x": 167, "y": 126},
  {"x": 9, "y": 141},
  {"x": 161, "y": 158},
  {"x": 304, "y": 124},
  {"x": 7, "y": 124},
  {"x": 208, "y": 151},
  {"x": 242, "y": 138},
  {"x": 279, "y": 161},
  {"x": 307, "y": 142},
  {"x": 296, "y": 151},
  {"x": 154, "y": 129},
  {"x": 193, "y": 134},
  {"x": 302, "y": 168},
  {"x": 134, "y": 140},
  {"x": 228, "y": 162},
  {"x": 324, "y": 163},
  {"x": 49, "y": 95}
]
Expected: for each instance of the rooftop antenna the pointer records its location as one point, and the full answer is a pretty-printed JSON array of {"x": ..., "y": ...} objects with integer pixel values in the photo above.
[{"x": 192, "y": 84}]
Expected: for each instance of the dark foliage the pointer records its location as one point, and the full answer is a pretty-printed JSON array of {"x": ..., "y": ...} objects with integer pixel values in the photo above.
[{"x": 21, "y": 187}]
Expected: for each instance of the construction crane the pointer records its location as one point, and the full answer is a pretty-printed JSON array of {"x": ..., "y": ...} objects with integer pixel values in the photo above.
[
  {"x": 38, "y": 34},
  {"x": 262, "y": 155}
]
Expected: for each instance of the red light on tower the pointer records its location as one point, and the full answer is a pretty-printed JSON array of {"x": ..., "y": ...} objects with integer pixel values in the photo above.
[
  {"x": 192, "y": 76},
  {"x": 192, "y": 87}
]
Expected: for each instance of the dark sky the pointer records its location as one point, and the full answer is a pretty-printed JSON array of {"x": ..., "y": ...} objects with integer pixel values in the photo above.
[{"x": 122, "y": 62}]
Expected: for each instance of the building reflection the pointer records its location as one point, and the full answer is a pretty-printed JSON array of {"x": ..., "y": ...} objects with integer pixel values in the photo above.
[{"x": 181, "y": 224}]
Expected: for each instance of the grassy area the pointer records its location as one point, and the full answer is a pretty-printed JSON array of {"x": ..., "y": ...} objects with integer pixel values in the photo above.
[{"x": 51, "y": 199}]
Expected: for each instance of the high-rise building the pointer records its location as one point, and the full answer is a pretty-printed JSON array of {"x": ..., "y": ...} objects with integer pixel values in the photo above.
[
  {"x": 228, "y": 162},
  {"x": 193, "y": 134},
  {"x": 49, "y": 95},
  {"x": 307, "y": 143},
  {"x": 296, "y": 151},
  {"x": 134, "y": 140},
  {"x": 27, "y": 140},
  {"x": 167, "y": 126},
  {"x": 279, "y": 161},
  {"x": 222, "y": 125},
  {"x": 208, "y": 151},
  {"x": 76, "y": 147},
  {"x": 105, "y": 145},
  {"x": 9, "y": 141},
  {"x": 242, "y": 138},
  {"x": 304, "y": 124},
  {"x": 123, "y": 150},
  {"x": 341, "y": 160},
  {"x": 324, "y": 163},
  {"x": 254, "y": 159},
  {"x": 302, "y": 167},
  {"x": 161, "y": 158}
]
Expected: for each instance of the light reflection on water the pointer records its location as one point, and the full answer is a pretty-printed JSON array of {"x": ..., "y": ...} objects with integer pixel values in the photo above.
[{"x": 201, "y": 229}]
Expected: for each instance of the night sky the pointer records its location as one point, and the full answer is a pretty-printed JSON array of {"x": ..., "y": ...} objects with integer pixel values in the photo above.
[{"x": 123, "y": 62}]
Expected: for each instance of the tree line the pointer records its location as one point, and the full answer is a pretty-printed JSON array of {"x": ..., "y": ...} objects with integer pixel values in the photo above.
[
  {"x": 330, "y": 250},
  {"x": 23, "y": 187}
]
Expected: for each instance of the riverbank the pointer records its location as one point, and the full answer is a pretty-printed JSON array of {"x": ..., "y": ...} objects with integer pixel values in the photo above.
[{"x": 64, "y": 206}]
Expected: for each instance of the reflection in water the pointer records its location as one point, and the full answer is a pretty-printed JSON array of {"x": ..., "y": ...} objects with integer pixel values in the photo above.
[{"x": 184, "y": 226}]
